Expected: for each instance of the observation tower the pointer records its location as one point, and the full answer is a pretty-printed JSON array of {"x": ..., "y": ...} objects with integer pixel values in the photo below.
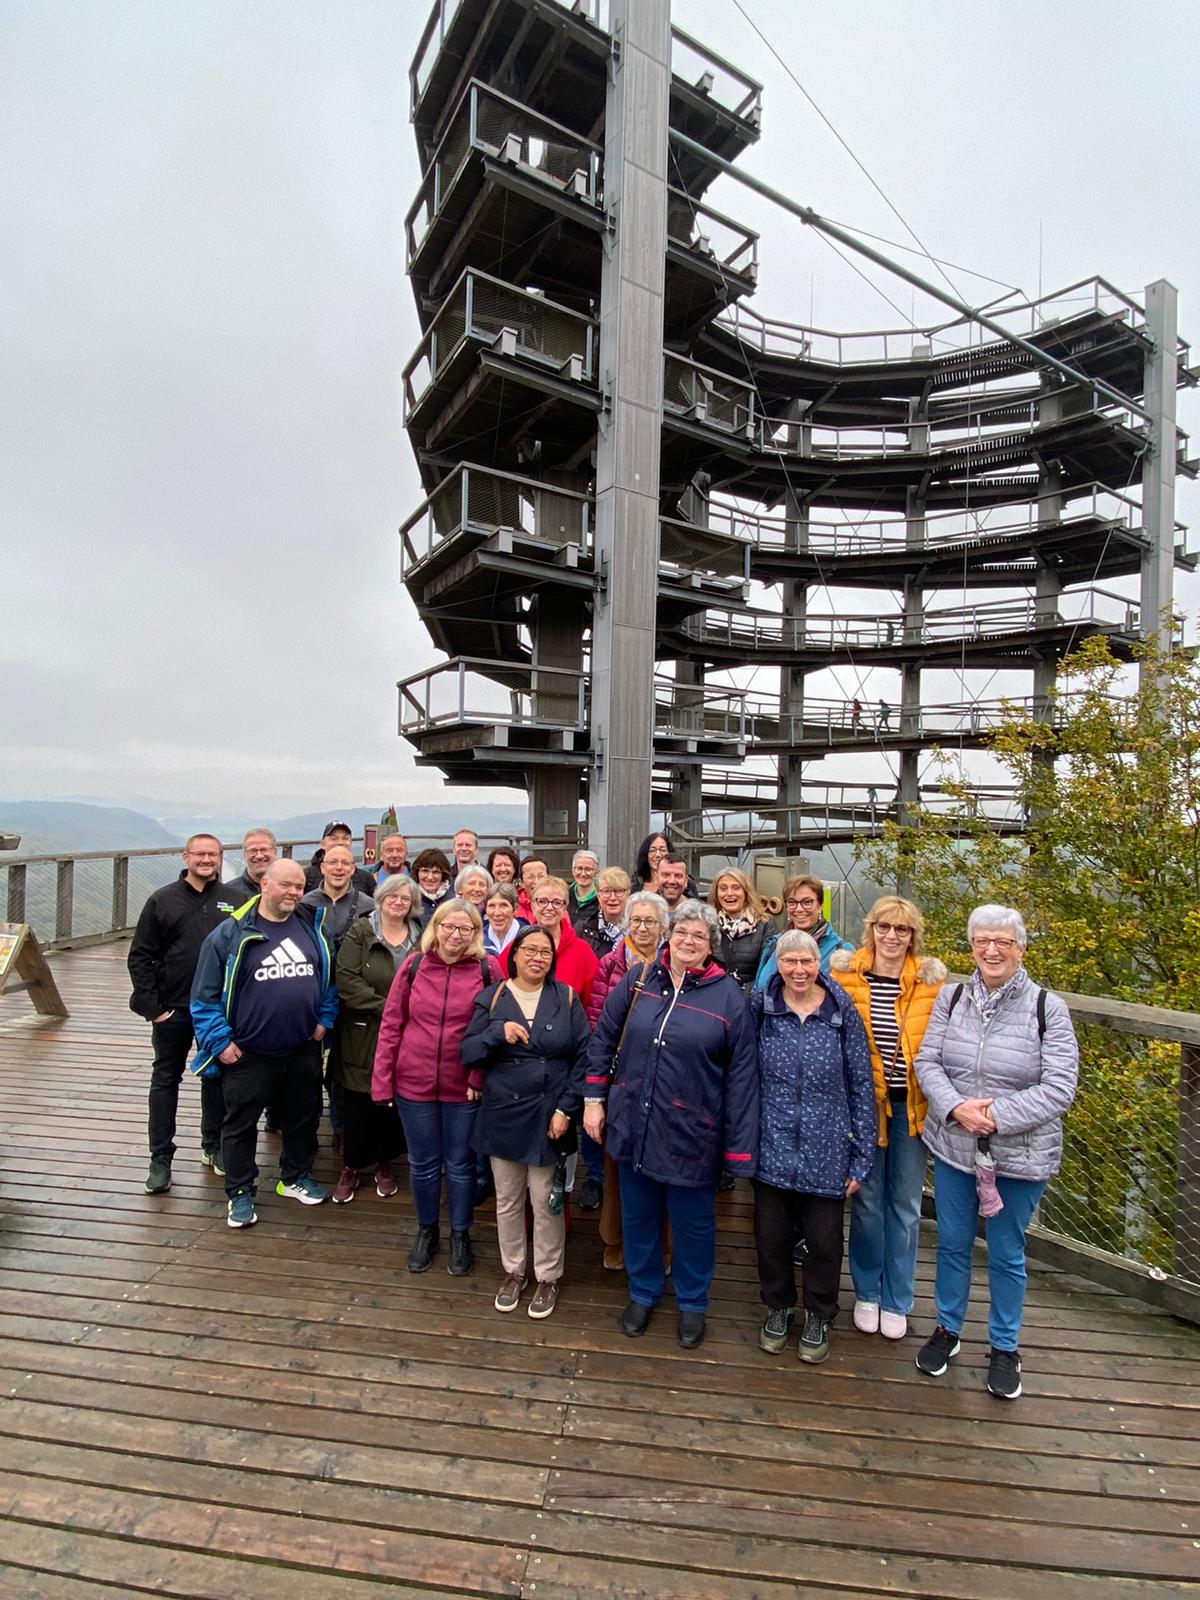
[{"x": 639, "y": 487}]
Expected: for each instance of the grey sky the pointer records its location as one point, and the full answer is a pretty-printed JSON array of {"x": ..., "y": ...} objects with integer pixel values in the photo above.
[{"x": 205, "y": 315}]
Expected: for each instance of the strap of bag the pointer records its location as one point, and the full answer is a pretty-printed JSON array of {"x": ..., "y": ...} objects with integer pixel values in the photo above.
[{"x": 637, "y": 990}]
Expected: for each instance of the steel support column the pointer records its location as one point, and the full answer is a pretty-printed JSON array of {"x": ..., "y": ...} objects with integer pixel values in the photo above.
[
  {"x": 629, "y": 439},
  {"x": 1158, "y": 479}
]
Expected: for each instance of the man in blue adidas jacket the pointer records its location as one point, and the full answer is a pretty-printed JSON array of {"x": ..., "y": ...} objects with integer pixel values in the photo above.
[{"x": 262, "y": 1001}]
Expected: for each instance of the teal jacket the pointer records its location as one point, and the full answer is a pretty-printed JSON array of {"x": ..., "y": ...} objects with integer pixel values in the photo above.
[
  {"x": 827, "y": 942},
  {"x": 215, "y": 986}
]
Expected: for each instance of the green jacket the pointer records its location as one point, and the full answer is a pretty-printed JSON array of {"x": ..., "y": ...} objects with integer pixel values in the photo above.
[{"x": 365, "y": 969}]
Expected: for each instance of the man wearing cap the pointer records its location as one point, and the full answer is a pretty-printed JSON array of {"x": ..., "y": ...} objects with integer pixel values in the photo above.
[{"x": 336, "y": 833}]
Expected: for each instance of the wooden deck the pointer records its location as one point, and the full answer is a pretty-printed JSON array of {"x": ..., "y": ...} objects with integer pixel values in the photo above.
[{"x": 191, "y": 1411}]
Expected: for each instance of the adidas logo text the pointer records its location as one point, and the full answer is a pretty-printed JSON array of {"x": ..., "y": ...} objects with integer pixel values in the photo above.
[{"x": 287, "y": 960}]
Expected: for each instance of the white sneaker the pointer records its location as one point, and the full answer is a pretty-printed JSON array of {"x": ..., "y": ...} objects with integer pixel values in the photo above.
[
  {"x": 866, "y": 1316},
  {"x": 892, "y": 1325}
]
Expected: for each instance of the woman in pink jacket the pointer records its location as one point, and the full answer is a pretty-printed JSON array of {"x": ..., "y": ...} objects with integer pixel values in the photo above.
[{"x": 418, "y": 1065}]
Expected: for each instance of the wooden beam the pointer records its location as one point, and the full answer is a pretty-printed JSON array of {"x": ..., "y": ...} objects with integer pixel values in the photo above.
[{"x": 21, "y": 957}]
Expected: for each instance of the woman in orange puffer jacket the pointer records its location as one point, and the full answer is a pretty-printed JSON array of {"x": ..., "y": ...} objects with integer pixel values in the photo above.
[{"x": 893, "y": 990}]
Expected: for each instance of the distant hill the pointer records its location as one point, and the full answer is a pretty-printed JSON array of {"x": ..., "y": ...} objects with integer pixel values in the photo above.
[{"x": 48, "y": 825}]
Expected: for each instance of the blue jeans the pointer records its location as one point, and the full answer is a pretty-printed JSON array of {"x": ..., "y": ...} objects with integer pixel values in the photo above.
[
  {"x": 885, "y": 1220},
  {"x": 438, "y": 1134},
  {"x": 957, "y": 1214},
  {"x": 693, "y": 1216},
  {"x": 593, "y": 1157}
]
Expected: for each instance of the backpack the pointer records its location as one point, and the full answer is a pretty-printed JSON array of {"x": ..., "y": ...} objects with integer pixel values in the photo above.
[{"x": 1041, "y": 1007}]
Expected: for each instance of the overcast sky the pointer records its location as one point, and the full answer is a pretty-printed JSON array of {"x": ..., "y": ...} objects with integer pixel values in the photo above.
[{"x": 205, "y": 315}]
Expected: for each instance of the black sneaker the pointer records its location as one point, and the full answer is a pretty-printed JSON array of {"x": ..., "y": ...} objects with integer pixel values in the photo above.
[
  {"x": 1004, "y": 1374},
  {"x": 212, "y": 1160},
  {"x": 591, "y": 1195},
  {"x": 425, "y": 1247},
  {"x": 773, "y": 1335},
  {"x": 158, "y": 1179},
  {"x": 937, "y": 1352},
  {"x": 814, "y": 1339}
]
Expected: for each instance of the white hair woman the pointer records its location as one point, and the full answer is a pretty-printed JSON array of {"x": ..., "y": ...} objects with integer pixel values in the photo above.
[{"x": 999, "y": 1065}]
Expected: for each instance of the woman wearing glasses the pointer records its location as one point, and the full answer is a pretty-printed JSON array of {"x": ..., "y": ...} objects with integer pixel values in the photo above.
[
  {"x": 803, "y": 899},
  {"x": 575, "y": 962},
  {"x": 893, "y": 990},
  {"x": 418, "y": 1065},
  {"x": 998, "y": 1065},
  {"x": 681, "y": 1099}
]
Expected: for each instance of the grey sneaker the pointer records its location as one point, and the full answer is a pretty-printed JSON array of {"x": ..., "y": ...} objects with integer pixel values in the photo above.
[
  {"x": 508, "y": 1295},
  {"x": 1004, "y": 1374},
  {"x": 158, "y": 1179},
  {"x": 814, "y": 1339},
  {"x": 305, "y": 1189},
  {"x": 773, "y": 1335}
]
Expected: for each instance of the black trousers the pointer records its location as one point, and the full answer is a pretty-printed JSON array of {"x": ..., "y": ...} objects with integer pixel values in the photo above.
[
  {"x": 780, "y": 1215},
  {"x": 291, "y": 1083},
  {"x": 172, "y": 1040},
  {"x": 370, "y": 1133}
]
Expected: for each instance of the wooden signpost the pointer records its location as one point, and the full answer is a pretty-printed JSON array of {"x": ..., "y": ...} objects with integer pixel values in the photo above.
[{"x": 23, "y": 966}]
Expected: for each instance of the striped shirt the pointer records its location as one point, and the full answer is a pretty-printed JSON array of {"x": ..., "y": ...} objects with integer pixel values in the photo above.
[{"x": 884, "y": 1029}]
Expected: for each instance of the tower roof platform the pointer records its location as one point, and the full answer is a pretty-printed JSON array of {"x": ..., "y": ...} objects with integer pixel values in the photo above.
[{"x": 196, "y": 1412}]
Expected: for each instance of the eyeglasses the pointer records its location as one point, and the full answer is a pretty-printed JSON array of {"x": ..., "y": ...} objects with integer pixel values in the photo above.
[
  {"x": 798, "y": 905},
  {"x": 457, "y": 929},
  {"x": 643, "y": 922},
  {"x": 550, "y": 905},
  {"x": 898, "y": 928},
  {"x": 607, "y": 892},
  {"x": 981, "y": 942},
  {"x": 535, "y": 955},
  {"x": 690, "y": 938}
]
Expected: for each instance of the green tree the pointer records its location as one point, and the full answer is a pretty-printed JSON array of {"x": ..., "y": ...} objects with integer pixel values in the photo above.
[{"x": 1107, "y": 876}]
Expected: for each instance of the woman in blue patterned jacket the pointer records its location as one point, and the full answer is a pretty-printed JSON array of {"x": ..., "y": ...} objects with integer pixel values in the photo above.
[{"x": 816, "y": 1143}]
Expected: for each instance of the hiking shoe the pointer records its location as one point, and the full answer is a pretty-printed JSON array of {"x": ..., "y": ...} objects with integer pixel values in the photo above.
[
  {"x": 893, "y": 1324},
  {"x": 545, "y": 1298},
  {"x": 212, "y": 1160},
  {"x": 814, "y": 1339},
  {"x": 344, "y": 1188},
  {"x": 462, "y": 1257},
  {"x": 1004, "y": 1374},
  {"x": 158, "y": 1179},
  {"x": 241, "y": 1212},
  {"x": 305, "y": 1189},
  {"x": 385, "y": 1181},
  {"x": 936, "y": 1353},
  {"x": 866, "y": 1316},
  {"x": 508, "y": 1295},
  {"x": 773, "y": 1335},
  {"x": 591, "y": 1195},
  {"x": 425, "y": 1247}
]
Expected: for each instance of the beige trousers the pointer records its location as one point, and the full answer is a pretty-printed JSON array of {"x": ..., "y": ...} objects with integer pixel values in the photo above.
[{"x": 512, "y": 1179}]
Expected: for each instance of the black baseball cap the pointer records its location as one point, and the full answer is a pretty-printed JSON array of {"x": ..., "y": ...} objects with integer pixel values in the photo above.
[{"x": 333, "y": 827}]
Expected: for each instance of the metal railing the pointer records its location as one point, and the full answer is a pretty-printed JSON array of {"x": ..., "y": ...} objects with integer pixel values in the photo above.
[
  {"x": 475, "y": 690},
  {"x": 483, "y": 500},
  {"x": 754, "y": 631},
  {"x": 440, "y": 21},
  {"x": 711, "y": 75},
  {"x": 491, "y": 313},
  {"x": 836, "y": 722},
  {"x": 709, "y": 396},
  {"x": 497, "y": 126},
  {"x": 726, "y": 243}
]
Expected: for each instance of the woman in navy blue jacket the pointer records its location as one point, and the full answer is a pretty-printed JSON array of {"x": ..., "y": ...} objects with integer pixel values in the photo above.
[
  {"x": 816, "y": 1143},
  {"x": 525, "y": 1049},
  {"x": 681, "y": 1099}
]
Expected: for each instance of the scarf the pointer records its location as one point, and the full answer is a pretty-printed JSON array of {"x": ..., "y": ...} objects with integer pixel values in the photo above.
[
  {"x": 987, "y": 999},
  {"x": 608, "y": 930},
  {"x": 736, "y": 927}
]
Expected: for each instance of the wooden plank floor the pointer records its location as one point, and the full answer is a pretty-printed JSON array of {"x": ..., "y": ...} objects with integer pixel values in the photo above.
[{"x": 191, "y": 1411}]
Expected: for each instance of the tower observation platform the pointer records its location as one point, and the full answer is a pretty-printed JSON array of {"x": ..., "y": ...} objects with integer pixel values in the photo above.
[{"x": 654, "y": 515}]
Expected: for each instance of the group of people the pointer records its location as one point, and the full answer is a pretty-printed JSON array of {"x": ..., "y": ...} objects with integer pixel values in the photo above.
[{"x": 492, "y": 1021}]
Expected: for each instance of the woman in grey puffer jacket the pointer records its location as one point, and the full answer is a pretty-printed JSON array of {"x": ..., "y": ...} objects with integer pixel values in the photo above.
[{"x": 999, "y": 1065}]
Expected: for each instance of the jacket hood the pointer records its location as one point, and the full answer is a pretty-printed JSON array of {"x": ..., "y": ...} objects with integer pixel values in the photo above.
[
  {"x": 773, "y": 1001},
  {"x": 711, "y": 969},
  {"x": 928, "y": 969}
]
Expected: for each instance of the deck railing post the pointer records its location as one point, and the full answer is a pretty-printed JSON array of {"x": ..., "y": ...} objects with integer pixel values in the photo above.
[
  {"x": 120, "y": 893},
  {"x": 1187, "y": 1166},
  {"x": 16, "y": 893},
  {"x": 64, "y": 900}
]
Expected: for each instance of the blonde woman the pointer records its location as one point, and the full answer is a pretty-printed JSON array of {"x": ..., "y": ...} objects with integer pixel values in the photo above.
[
  {"x": 893, "y": 988},
  {"x": 419, "y": 1065},
  {"x": 745, "y": 925}
]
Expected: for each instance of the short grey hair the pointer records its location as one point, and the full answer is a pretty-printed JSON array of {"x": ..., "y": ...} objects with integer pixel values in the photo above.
[
  {"x": 473, "y": 871},
  {"x": 392, "y": 884},
  {"x": 796, "y": 939},
  {"x": 697, "y": 911},
  {"x": 585, "y": 855},
  {"x": 505, "y": 892},
  {"x": 647, "y": 897},
  {"x": 1004, "y": 917}
]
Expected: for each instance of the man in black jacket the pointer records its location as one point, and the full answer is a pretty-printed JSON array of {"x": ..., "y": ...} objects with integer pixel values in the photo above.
[
  {"x": 259, "y": 849},
  {"x": 336, "y": 833},
  {"x": 174, "y": 923}
]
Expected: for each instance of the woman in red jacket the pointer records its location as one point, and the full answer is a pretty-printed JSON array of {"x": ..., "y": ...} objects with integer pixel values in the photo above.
[
  {"x": 575, "y": 961},
  {"x": 417, "y": 1063}
]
